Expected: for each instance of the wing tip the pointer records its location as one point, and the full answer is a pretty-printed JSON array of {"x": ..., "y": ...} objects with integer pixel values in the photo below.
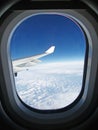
[{"x": 50, "y": 50}]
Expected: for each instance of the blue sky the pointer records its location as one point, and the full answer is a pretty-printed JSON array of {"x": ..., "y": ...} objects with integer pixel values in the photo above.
[{"x": 37, "y": 33}]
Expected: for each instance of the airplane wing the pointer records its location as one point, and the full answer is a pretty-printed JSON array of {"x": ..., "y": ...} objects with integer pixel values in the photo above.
[{"x": 19, "y": 65}]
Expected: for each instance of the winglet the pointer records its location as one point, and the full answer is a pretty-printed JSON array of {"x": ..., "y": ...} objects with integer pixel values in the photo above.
[{"x": 50, "y": 50}]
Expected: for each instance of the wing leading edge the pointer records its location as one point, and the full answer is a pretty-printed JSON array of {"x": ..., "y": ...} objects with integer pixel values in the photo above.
[{"x": 19, "y": 65}]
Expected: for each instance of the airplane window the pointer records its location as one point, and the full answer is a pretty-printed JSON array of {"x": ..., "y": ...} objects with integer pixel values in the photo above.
[{"x": 48, "y": 54}]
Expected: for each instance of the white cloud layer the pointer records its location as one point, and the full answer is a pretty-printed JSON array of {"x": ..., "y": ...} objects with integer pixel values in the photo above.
[{"x": 50, "y": 86}]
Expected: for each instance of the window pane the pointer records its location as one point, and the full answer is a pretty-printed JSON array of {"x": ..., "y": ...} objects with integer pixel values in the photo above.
[{"x": 48, "y": 52}]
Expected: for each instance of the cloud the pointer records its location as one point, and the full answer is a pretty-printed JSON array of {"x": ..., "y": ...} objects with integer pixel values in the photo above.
[{"x": 50, "y": 86}]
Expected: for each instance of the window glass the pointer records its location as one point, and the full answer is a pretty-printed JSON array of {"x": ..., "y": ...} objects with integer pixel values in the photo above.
[{"x": 48, "y": 53}]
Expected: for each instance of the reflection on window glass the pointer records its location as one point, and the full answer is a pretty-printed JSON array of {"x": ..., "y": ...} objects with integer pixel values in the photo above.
[{"x": 48, "y": 52}]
